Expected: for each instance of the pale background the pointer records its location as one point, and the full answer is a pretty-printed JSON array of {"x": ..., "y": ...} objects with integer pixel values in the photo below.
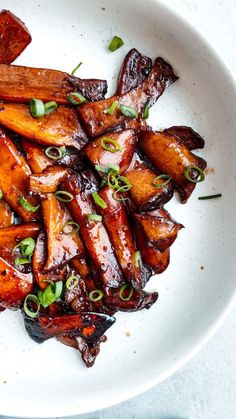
[{"x": 206, "y": 387}]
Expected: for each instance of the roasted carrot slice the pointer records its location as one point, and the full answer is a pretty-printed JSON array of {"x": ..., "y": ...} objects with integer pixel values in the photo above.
[
  {"x": 90, "y": 326},
  {"x": 170, "y": 156},
  {"x": 14, "y": 173},
  {"x": 138, "y": 301},
  {"x": 97, "y": 122},
  {"x": 133, "y": 71},
  {"x": 61, "y": 246},
  {"x": 187, "y": 136},
  {"x": 36, "y": 157},
  {"x": 93, "y": 233},
  {"x": 116, "y": 221},
  {"x": 144, "y": 195},
  {"x": 14, "y": 37},
  {"x": 158, "y": 227},
  {"x": 48, "y": 180},
  {"x": 156, "y": 260},
  {"x": 6, "y": 215},
  {"x": 14, "y": 286},
  {"x": 126, "y": 141},
  {"x": 59, "y": 128},
  {"x": 38, "y": 262},
  {"x": 20, "y": 84}
]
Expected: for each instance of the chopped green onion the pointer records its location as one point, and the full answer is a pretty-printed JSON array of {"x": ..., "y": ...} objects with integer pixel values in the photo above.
[
  {"x": 112, "y": 180},
  {"x": 55, "y": 153},
  {"x": 27, "y": 205},
  {"x": 21, "y": 261},
  {"x": 112, "y": 108},
  {"x": 119, "y": 198},
  {"x": 126, "y": 183},
  {"x": 50, "y": 294},
  {"x": 115, "y": 43},
  {"x": 64, "y": 196},
  {"x": 71, "y": 231},
  {"x": 37, "y": 108},
  {"x": 100, "y": 169},
  {"x": 128, "y": 111},
  {"x": 146, "y": 111},
  {"x": 110, "y": 166},
  {"x": 31, "y": 298},
  {"x": 187, "y": 174},
  {"x": 123, "y": 291},
  {"x": 96, "y": 295},
  {"x": 218, "y": 195},
  {"x": 160, "y": 185},
  {"x": 1, "y": 194},
  {"x": 98, "y": 200},
  {"x": 94, "y": 217},
  {"x": 137, "y": 259},
  {"x": 76, "y": 68},
  {"x": 71, "y": 282},
  {"x": 76, "y": 98},
  {"x": 110, "y": 145},
  {"x": 26, "y": 246},
  {"x": 50, "y": 107}
]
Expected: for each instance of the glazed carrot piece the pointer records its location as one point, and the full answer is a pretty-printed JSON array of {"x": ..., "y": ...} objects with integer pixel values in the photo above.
[
  {"x": 187, "y": 136},
  {"x": 14, "y": 173},
  {"x": 61, "y": 246},
  {"x": 6, "y": 215},
  {"x": 59, "y": 128},
  {"x": 48, "y": 180},
  {"x": 139, "y": 300},
  {"x": 14, "y": 37},
  {"x": 36, "y": 157}
]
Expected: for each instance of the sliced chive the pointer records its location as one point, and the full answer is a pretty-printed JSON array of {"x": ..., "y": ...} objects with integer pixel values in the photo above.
[
  {"x": 201, "y": 174},
  {"x": 76, "y": 98},
  {"x": 27, "y": 205},
  {"x": 112, "y": 180},
  {"x": 128, "y": 111},
  {"x": 110, "y": 145},
  {"x": 218, "y": 195},
  {"x": 64, "y": 196},
  {"x": 160, "y": 185},
  {"x": 123, "y": 292},
  {"x": 1, "y": 194},
  {"x": 137, "y": 259},
  {"x": 98, "y": 200},
  {"x": 37, "y": 109},
  {"x": 51, "y": 293},
  {"x": 115, "y": 43},
  {"x": 21, "y": 261},
  {"x": 30, "y": 300},
  {"x": 76, "y": 68},
  {"x": 50, "y": 107},
  {"x": 73, "y": 228},
  {"x": 55, "y": 153},
  {"x": 95, "y": 217},
  {"x": 116, "y": 196},
  {"x": 26, "y": 246},
  {"x": 71, "y": 282},
  {"x": 96, "y": 295},
  {"x": 112, "y": 108}
]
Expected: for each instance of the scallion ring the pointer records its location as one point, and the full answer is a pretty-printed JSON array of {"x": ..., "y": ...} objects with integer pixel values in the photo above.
[
  {"x": 115, "y": 43},
  {"x": 98, "y": 200},
  {"x": 50, "y": 107},
  {"x": 51, "y": 293},
  {"x": 201, "y": 174},
  {"x": 26, "y": 246},
  {"x": 112, "y": 108},
  {"x": 112, "y": 180},
  {"x": 1, "y": 194},
  {"x": 128, "y": 111},
  {"x": 76, "y": 68},
  {"x": 21, "y": 261},
  {"x": 76, "y": 98},
  {"x": 27, "y": 205},
  {"x": 73, "y": 228},
  {"x": 126, "y": 183},
  {"x": 55, "y": 153},
  {"x": 71, "y": 282},
  {"x": 37, "y": 109},
  {"x": 137, "y": 259},
  {"x": 110, "y": 145},
  {"x": 64, "y": 196},
  {"x": 123, "y": 291},
  {"x": 161, "y": 184},
  {"x": 31, "y": 298},
  {"x": 117, "y": 197},
  {"x": 96, "y": 295},
  {"x": 95, "y": 217}
]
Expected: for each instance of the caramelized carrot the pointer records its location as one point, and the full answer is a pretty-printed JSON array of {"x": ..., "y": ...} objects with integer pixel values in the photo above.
[{"x": 48, "y": 180}]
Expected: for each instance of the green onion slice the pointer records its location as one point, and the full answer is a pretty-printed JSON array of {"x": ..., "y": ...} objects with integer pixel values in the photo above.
[
  {"x": 115, "y": 43},
  {"x": 98, "y": 200},
  {"x": 187, "y": 174},
  {"x": 71, "y": 282},
  {"x": 37, "y": 108},
  {"x": 161, "y": 184},
  {"x": 64, "y": 196},
  {"x": 76, "y": 98},
  {"x": 137, "y": 259},
  {"x": 126, "y": 292},
  {"x": 55, "y": 153},
  {"x": 146, "y": 111},
  {"x": 73, "y": 228},
  {"x": 26, "y": 246},
  {"x": 126, "y": 183},
  {"x": 31, "y": 300},
  {"x": 21, "y": 261},
  {"x": 218, "y": 195},
  {"x": 50, "y": 294},
  {"x": 96, "y": 295},
  {"x": 94, "y": 217},
  {"x": 128, "y": 111},
  {"x": 110, "y": 145},
  {"x": 50, "y": 107},
  {"x": 76, "y": 68},
  {"x": 27, "y": 205},
  {"x": 116, "y": 196},
  {"x": 112, "y": 180},
  {"x": 112, "y": 108},
  {"x": 1, "y": 194}
]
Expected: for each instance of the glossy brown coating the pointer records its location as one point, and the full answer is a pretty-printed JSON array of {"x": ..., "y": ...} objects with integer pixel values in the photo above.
[
  {"x": 59, "y": 128},
  {"x": 20, "y": 84},
  {"x": 36, "y": 157},
  {"x": 14, "y": 37},
  {"x": 6, "y": 215},
  {"x": 90, "y": 326},
  {"x": 93, "y": 233},
  {"x": 187, "y": 136},
  {"x": 156, "y": 260},
  {"x": 126, "y": 139},
  {"x": 158, "y": 227},
  {"x": 171, "y": 157},
  {"x": 97, "y": 122},
  {"x": 144, "y": 195},
  {"x": 38, "y": 262},
  {"x": 61, "y": 247},
  {"x": 116, "y": 221},
  {"x": 14, "y": 286},
  {"x": 139, "y": 300},
  {"x": 48, "y": 180},
  {"x": 133, "y": 71},
  {"x": 14, "y": 173}
]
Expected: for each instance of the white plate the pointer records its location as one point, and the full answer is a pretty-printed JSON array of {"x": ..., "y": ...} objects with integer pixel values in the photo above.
[{"x": 49, "y": 379}]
